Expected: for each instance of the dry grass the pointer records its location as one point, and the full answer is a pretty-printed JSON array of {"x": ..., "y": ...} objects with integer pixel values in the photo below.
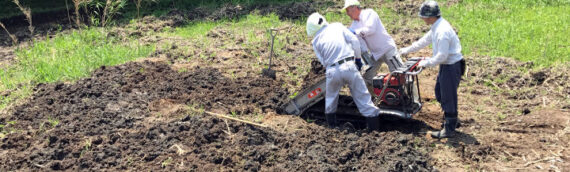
[
  {"x": 67, "y": 9},
  {"x": 28, "y": 13},
  {"x": 77, "y": 4},
  {"x": 105, "y": 11},
  {"x": 138, "y": 5},
  {"x": 112, "y": 8},
  {"x": 12, "y": 36}
]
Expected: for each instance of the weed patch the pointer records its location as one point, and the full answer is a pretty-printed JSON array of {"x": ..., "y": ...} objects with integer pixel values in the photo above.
[
  {"x": 527, "y": 30},
  {"x": 66, "y": 58}
]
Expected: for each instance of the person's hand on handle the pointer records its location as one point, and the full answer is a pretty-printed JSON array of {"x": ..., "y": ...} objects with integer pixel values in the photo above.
[{"x": 423, "y": 62}]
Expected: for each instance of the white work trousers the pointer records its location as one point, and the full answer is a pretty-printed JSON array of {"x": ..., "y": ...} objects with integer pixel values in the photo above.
[{"x": 347, "y": 74}]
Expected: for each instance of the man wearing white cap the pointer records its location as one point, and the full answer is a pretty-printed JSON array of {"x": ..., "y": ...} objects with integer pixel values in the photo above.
[
  {"x": 336, "y": 48},
  {"x": 367, "y": 26}
]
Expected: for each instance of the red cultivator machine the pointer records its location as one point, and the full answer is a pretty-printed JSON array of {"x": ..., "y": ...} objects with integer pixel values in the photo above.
[{"x": 396, "y": 94}]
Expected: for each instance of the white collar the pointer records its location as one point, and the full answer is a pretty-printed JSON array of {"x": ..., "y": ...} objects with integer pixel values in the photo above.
[{"x": 434, "y": 25}]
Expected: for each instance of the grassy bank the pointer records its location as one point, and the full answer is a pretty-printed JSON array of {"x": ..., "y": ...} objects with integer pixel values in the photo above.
[
  {"x": 527, "y": 30},
  {"x": 66, "y": 57}
]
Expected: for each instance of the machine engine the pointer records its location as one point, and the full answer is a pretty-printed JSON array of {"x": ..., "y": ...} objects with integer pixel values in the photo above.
[
  {"x": 399, "y": 90},
  {"x": 397, "y": 94},
  {"x": 393, "y": 87}
]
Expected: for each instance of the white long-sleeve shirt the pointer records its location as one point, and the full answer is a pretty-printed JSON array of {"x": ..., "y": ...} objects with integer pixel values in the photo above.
[
  {"x": 445, "y": 44},
  {"x": 371, "y": 29},
  {"x": 335, "y": 42}
]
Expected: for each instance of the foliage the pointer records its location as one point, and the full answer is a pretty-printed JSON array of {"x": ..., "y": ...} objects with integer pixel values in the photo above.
[
  {"x": 141, "y": 3},
  {"x": 78, "y": 4},
  {"x": 101, "y": 12}
]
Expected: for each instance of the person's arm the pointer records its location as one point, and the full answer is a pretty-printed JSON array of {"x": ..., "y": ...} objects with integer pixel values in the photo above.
[
  {"x": 363, "y": 46},
  {"x": 423, "y": 42},
  {"x": 369, "y": 26},
  {"x": 352, "y": 27},
  {"x": 353, "y": 41},
  {"x": 442, "y": 52}
]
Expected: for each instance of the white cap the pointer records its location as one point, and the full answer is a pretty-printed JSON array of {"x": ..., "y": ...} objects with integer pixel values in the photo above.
[
  {"x": 348, "y": 3},
  {"x": 314, "y": 23}
]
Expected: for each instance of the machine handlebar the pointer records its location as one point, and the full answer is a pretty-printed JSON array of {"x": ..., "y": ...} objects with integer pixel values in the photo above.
[{"x": 412, "y": 69}]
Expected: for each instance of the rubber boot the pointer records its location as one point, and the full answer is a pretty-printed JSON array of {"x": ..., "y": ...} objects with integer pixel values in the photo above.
[
  {"x": 448, "y": 129},
  {"x": 331, "y": 120},
  {"x": 373, "y": 123},
  {"x": 456, "y": 126}
]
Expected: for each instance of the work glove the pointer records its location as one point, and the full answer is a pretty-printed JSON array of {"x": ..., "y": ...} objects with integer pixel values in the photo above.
[
  {"x": 404, "y": 51},
  {"x": 351, "y": 30},
  {"x": 358, "y": 63},
  {"x": 423, "y": 62},
  {"x": 356, "y": 33},
  {"x": 359, "y": 34}
]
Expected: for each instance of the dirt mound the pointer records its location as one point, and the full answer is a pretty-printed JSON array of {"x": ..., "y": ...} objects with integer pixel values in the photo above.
[
  {"x": 148, "y": 24},
  {"x": 293, "y": 10},
  {"x": 143, "y": 82},
  {"x": 174, "y": 18},
  {"x": 411, "y": 7},
  {"x": 109, "y": 121},
  {"x": 407, "y": 7}
]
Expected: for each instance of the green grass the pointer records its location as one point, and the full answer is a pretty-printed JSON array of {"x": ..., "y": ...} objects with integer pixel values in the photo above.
[
  {"x": 6, "y": 128},
  {"x": 195, "y": 29},
  {"x": 247, "y": 25},
  {"x": 527, "y": 30},
  {"x": 66, "y": 57},
  {"x": 253, "y": 28}
]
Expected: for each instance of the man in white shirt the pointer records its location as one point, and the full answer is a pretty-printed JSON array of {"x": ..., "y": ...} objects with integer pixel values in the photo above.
[
  {"x": 373, "y": 36},
  {"x": 336, "y": 47},
  {"x": 447, "y": 54}
]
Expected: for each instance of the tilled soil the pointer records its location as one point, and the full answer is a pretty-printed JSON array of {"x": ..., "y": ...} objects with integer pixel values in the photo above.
[
  {"x": 110, "y": 121},
  {"x": 139, "y": 116},
  {"x": 316, "y": 74}
]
